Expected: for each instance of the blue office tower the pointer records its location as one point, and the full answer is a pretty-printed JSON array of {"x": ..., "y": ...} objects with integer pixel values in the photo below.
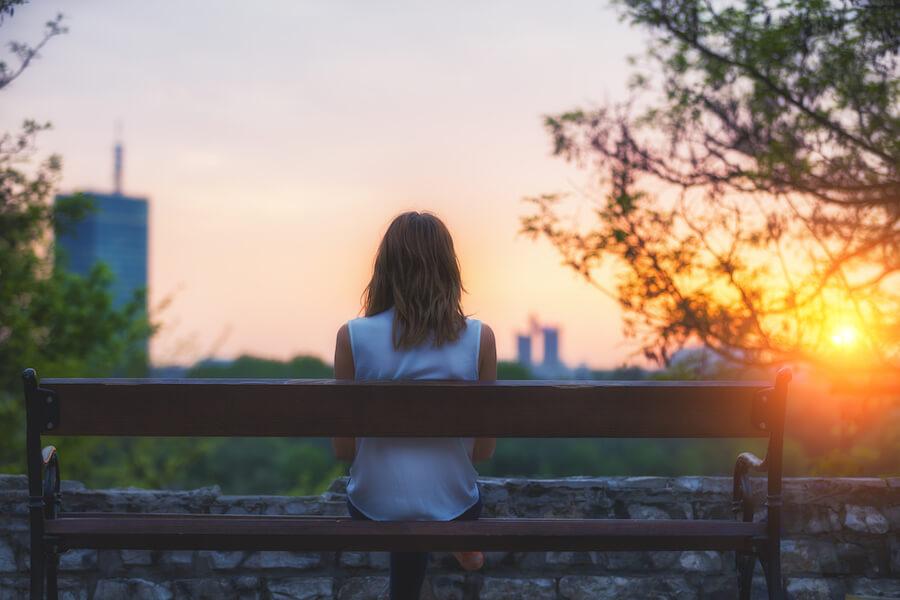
[
  {"x": 114, "y": 233},
  {"x": 551, "y": 347},
  {"x": 523, "y": 350}
]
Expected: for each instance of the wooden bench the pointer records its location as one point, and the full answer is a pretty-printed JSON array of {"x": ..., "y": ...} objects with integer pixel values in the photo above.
[{"x": 322, "y": 408}]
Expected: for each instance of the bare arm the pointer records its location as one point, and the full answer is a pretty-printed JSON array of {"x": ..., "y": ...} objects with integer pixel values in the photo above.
[
  {"x": 344, "y": 447},
  {"x": 487, "y": 371}
]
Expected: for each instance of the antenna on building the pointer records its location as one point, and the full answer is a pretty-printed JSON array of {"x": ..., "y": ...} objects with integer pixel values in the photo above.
[{"x": 117, "y": 157}]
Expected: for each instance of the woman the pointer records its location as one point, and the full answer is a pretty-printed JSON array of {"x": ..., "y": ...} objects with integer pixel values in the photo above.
[{"x": 414, "y": 328}]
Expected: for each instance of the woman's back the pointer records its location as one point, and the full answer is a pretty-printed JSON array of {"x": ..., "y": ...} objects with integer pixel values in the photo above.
[{"x": 412, "y": 478}]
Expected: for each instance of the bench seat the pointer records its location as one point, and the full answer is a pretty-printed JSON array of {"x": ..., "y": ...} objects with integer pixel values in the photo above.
[{"x": 316, "y": 533}]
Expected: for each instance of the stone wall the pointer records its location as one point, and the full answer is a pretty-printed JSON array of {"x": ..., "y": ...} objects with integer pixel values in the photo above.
[{"x": 841, "y": 538}]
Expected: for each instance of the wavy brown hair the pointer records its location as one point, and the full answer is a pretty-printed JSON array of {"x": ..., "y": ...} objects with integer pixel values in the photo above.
[{"x": 417, "y": 272}]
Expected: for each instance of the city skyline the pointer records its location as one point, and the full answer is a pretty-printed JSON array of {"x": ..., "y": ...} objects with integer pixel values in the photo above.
[{"x": 278, "y": 144}]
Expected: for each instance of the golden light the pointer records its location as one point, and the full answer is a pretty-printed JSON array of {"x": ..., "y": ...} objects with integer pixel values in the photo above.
[{"x": 845, "y": 336}]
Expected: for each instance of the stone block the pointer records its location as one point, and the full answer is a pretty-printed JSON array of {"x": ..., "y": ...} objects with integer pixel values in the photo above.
[
  {"x": 363, "y": 588},
  {"x": 807, "y": 588},
  {"x": 497, "y": 588},
  {"x": 282, "y": 560},
  {"x": 203, "y": 589},
  {"x": 78, "y": 593},
  {"x": 301, "y": 588},
  {"x": 445, "y": 587},
  {"x": 78, "y": 560},
  {"x": 13, "y": 482},
  {"x": 131, "y": 589},
  {"x": 892, "y": 513},
  {"x": 625, "y": 588},
  {"x": 628, "y": 561},
  {"x": 136, "y": 557},
  {"x": 246, "y": 583},
  {"x": 664, "y": 559},
  {"x": 865, "y": 519},
  {"x": 880, "y": 587},
  {"x": 809, "y": 556},
  {"x": 719, "y": 587},
  {"x": 13, "y": 588},
  {"x": 857, "y": 559},
  {"x": 7, "y": 557},
  {"x": 353, "y": 560},
  {"x": 109, "y": 562},
  {"x": 706, "y": 562},
  {"x": 895, "y": 556},
  {"x": 645, "y": 511},
  {"x": 574, "y": 558},
  {"x": 177, "y": 558},
  {"x": 362, "y": 560},
  {"x": 224, "y": 560},
  {"x": 811, "y": 519}
]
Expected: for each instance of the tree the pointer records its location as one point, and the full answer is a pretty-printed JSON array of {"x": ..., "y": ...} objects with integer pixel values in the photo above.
[
  {"x": 512, "y": 370},
  {"x": 252, "y": 367},
  {"x": 751, "y": 193},
  {"x": 50, "y": 319}
]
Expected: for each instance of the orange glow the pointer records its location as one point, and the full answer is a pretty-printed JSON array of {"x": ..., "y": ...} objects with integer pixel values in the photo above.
[{"x": 845, "y": 336}]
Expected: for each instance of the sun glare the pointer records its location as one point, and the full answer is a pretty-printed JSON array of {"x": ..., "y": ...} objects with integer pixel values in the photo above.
[{"x": 844, "y": 336}]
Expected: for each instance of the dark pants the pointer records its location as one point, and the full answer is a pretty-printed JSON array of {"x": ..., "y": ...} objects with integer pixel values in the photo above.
[{"x": 408, "y": 568}]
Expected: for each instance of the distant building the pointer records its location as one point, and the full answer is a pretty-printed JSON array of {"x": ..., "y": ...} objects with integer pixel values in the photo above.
[
  {"x": 551, "y": 346},
  {"x": 523, "y": 350},
  {"x": 551, "y": 366},
  {"x": 114, "y": 233}
]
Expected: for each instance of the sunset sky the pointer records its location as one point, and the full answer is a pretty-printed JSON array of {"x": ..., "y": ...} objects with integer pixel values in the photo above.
[{"x": 275, "y": 141}]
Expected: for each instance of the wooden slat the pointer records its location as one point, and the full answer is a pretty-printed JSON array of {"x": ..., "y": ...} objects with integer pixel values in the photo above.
[
  {"x": 225, "y": 532},
  {"x": 321, "y": 408}
]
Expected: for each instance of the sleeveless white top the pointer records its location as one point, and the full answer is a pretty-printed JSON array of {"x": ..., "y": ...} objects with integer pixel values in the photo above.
[{"x": 412, "y": 479}]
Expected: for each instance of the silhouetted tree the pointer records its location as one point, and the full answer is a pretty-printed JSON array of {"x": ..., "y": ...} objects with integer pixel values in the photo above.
[{"x": 751, "y": 187}]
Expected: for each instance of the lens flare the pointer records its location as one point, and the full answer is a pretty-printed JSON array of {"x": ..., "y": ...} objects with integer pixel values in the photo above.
[{"x": 845, "y": 336}]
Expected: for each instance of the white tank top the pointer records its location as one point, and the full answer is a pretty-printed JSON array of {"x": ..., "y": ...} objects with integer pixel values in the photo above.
[{"x": 412, "y": 479}]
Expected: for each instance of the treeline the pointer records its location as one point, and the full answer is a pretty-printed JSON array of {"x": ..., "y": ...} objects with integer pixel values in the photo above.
[{"x": 828, "y": 434}]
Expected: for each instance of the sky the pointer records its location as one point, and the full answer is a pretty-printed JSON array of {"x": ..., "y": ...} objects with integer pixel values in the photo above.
[{"x": 276, "y": 140}]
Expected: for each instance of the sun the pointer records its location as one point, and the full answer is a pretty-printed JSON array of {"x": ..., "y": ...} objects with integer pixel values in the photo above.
[{"x": 845, "y": 336}]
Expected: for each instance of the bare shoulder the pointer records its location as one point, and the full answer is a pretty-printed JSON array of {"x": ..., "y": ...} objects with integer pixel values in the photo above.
[
  {"x": 343, "y": 355},
  {"x": 487, "y": 336},
  {"x": 343, "y": 335},
  {"x": 487, "y": 355}
]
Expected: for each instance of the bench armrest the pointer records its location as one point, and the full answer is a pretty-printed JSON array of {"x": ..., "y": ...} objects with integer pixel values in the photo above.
[
  {"x": 51, "y": 481},
  {"x": 741, "y": 499}
]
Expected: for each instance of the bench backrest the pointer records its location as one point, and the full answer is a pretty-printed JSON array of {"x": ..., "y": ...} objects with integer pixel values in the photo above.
[{"x": 321, "y": 408}]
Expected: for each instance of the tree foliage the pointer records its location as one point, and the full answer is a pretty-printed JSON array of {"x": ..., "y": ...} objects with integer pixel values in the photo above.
[
  {"x": 50, "y": 319},
  {"x": 299, "y": 367},
  {"x": 751, "y": 187}
]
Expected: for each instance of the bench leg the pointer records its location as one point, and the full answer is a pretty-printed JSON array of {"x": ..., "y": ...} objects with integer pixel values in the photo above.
[
  {"x": 772, "y": 569},
  {"x": 746, "y": 563},
  {"x": 52, "y": 568},
  {"x": 773, "y": 581},
  {"x": 38, "y": 570}
]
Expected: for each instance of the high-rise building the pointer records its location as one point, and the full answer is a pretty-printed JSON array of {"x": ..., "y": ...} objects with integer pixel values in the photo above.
[
  {"x": 551, "y": 346},
  {"x": 114, "y": 233},
  {"x": 523, "y": 350}
]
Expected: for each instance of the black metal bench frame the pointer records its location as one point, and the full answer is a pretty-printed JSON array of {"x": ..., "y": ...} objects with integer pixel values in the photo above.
[{"x": 323, "y": 408}]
